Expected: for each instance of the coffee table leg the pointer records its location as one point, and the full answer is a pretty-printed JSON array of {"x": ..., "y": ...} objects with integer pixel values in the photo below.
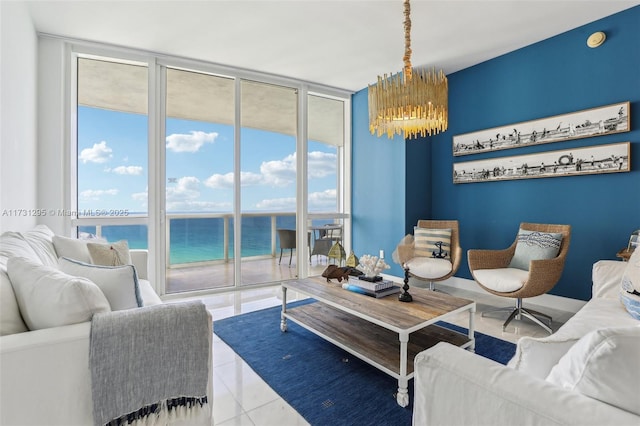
[
  {"x": 402, "y": 396},
  {"x": 283, "y": 319}
]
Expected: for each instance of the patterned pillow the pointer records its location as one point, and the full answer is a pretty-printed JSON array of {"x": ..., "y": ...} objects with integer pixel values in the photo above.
[
  {"x": 630, "y": 285},
  {"x": 110, "y": 254},
  {"x": 426, "y": 240},
  {"x": 534, "y": 245},
  {"x": 631, "y": 277}
]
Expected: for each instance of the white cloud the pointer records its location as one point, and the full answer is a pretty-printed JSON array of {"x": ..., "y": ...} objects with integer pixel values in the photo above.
[
  {"x": 279, "y": 172},
  {"x": 318, "y": 201},
  {"x": 186, "y": 188},
  {"x": 218, "y": 181},
  {"x": 96, "y": 194},
  {"x": 321, "y": 164},
  {"x": 194, "y": 205},
  {"x": 180, "y": 142},
  {"x": 100, "y": 153},
  {"x": 126, "y": 170},
  {"x": 325, "y": 200}
]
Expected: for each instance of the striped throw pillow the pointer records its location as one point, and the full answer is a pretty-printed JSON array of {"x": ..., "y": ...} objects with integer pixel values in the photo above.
[{"x": 426, "y": 239}]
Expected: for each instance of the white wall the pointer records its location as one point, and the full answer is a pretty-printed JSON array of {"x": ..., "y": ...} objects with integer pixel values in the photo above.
[
  {"x": 18, "y": 117},
  {"x": 53, "y": 130}
]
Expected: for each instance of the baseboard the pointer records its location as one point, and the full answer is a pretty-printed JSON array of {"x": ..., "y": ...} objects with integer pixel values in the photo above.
[{"x": 546, "y": 300}]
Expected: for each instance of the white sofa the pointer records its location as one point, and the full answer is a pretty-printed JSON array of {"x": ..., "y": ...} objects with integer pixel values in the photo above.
[
  {"x": 45, "y": 376},
  {"x": 456, "y": 387}
]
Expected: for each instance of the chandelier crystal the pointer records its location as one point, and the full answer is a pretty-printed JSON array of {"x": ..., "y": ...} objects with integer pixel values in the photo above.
[{"x": 412, "y": 102}]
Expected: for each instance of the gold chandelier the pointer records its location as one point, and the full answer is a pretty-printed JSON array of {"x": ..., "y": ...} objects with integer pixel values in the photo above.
[{"x": 412, "y": 102}]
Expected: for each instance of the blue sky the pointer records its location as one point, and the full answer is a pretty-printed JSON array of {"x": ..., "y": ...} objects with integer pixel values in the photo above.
[{"x": 112, "y": 166}]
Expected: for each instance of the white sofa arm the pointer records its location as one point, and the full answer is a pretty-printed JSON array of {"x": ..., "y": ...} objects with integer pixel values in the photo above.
[
  {"x": 456, "y": 387},
  {"x": 45, "y": 377},
  {"x": 139, "y": 258},
  {"x": 606, "y": 276}
]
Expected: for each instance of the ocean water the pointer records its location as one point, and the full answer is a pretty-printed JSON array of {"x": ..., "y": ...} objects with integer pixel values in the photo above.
[{"x": 202, "y": 239}]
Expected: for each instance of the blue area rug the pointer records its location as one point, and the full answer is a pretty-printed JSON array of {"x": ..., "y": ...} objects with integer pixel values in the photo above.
[{"x": 322, "y": 382}]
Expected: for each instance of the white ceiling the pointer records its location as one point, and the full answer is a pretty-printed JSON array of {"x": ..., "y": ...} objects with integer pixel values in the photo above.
[{"x": 343, "y": 44}]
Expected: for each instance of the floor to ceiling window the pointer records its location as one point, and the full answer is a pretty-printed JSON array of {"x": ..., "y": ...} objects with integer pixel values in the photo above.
[
  {"x": 214, "y": 162},
  {"x": 112, "y": 152}
]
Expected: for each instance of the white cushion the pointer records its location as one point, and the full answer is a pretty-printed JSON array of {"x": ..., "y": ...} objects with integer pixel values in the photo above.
[
  {"x": 537, "y": 357},
  {"x": 429, "y": 268},
  {"x": 148, "y": 294},
  {"x": 604, "y": 365},
  {"x": 631, "y": 276},
  {"x": 13, "y": 244},
  {"x": 72, "y": 248},
  {"x": 503, "y": 280},
  {"x": 40, "y": 239},
  {"x": 534, "y": 245},
  {"x": 10, "y": 319},
  {"x": 606, "y": 276},
  {"x": 50, "y": 298},
  {"x": 110, "y": 254},
  {"x": 118, "y": 283}
]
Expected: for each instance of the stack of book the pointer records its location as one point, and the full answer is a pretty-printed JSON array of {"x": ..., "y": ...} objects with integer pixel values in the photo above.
[{"x": 375, "y": 289}]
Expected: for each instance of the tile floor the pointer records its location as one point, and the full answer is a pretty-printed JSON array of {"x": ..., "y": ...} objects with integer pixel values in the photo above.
[{"x": 241, "y": 397}]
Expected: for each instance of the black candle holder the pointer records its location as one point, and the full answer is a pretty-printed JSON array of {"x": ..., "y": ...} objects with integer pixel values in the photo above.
[{"x": 405, "y": 296}]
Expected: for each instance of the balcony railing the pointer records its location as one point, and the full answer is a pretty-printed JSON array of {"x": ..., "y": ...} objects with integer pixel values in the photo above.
[{"x": 196, "y": 239}]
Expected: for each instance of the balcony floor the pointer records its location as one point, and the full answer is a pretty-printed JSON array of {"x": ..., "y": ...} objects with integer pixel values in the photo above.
[{"x": 254, "y": 271}]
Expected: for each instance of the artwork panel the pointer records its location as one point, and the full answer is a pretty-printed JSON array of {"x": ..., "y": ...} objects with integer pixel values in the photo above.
[
  {"x": 609, "y": 158},
  {"x": 599, "y": 121}
]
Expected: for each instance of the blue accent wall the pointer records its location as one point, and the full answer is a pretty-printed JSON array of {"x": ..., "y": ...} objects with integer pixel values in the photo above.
[
  {"x": 378, "y": 187},
  {"x": 555, "y": 76}
]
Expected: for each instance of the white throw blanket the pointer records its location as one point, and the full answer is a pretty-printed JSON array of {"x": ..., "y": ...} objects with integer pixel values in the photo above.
[{"x": 150, "y": 365}]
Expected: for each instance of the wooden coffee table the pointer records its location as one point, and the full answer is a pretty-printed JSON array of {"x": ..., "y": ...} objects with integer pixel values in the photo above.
[{"x": 385, "y": 332}]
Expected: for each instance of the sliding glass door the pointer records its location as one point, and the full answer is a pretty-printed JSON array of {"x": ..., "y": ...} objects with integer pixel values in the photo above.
[
  {"x": 204, "y": 166},
  {"x": 199, "y": 196},
  {"x": 268, "y": 139}
]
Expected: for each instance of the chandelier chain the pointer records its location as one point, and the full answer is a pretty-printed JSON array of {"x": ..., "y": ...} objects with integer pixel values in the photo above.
[{"x": 407, "y": 40}]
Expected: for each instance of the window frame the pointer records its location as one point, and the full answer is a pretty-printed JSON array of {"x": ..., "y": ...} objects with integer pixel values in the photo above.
[{"x": 156, "y": 68}]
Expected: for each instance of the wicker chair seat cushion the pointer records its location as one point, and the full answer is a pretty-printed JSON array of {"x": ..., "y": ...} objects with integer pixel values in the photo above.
[
  {"x": 429, "y": 268},
  {"x": 503, "y": 280}
]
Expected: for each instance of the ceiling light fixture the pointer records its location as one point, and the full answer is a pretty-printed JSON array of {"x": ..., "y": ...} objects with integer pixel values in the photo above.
[{"x": 412, "y": 102}]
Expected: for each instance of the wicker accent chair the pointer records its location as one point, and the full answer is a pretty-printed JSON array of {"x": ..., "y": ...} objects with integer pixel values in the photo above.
[
  {"x": 428, "y": 268},
  {"x": 541, "y": 277}
]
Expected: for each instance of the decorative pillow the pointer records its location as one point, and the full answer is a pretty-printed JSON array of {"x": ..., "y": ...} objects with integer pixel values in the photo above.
[
  {"x": 13, "y": 244},
  {"x": 426, "y": 240},
  {"x": 40, "y": 240},
  {"x": 10, "y": 319},
  {"x": 148, "y": 294},
  {"x": 72, "y": 248},
  {"x": 631, "y": 277},
  {"x": 534, "y": 245},
  {"x": 603, "y": 365},
  {"x": 537, "y": 356},
  {"x": 50, "y": 298},
  {"x": 118, "y": 283},
  {"x": 110, "y": 254},
  {"x": 631, "y": 303}
]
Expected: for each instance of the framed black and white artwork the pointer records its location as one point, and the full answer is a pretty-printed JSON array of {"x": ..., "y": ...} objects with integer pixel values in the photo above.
[
  {"x": 582, "y": 124},
  {"x": 609, "y": 158}
]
